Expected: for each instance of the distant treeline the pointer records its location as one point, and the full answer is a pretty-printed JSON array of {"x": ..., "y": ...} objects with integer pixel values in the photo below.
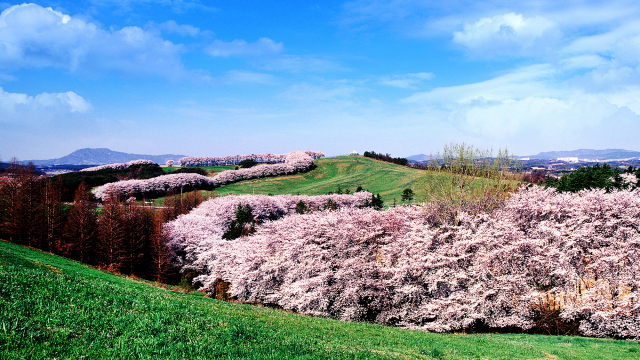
[
  {"x": 123, "y": 237},
  {"x": 386, "y": 157},
  {"x": 72, "y": 180},
  {"x": 596, "y": 177}
]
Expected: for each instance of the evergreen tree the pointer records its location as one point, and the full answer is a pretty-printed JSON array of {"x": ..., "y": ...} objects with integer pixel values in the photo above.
[
  {"x": 407, "y": 195},
  {"x": 243, "y": 224},
  {"x": 301, "y": 207},
  {"x": 376, "y": 202}
]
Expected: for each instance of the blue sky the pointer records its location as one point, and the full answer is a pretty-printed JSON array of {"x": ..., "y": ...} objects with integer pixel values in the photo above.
[{"x": 404, "y": 77}]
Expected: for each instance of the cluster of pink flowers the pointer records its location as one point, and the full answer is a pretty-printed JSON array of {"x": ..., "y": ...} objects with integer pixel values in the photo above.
[
  {"x": 194, "y": 233},
  {"x": 237, "y": 159},
  {"x": 119, "y": 165},
  {"x": 629, "y": 180},
  {"x": 154, "y": 186},
  {"x": 575, "y": 253},
  {"x": 295, "y": 161}
]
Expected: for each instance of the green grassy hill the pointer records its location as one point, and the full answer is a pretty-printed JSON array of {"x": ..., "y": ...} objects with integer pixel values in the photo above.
[
  {"x": 53, "y": 308},
  {"x": 348, "y": 172},
  {"x": 217, "y": 169}
]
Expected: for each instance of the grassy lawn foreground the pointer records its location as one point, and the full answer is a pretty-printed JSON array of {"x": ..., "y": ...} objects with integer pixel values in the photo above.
[{"x": 51, "y": 307}]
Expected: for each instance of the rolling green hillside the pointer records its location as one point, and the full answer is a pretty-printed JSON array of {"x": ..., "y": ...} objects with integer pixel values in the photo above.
[
  {"x": 217, "y": 169},
  {"x": 53, "y": 308},
  {"x": 348, "y": 172}
]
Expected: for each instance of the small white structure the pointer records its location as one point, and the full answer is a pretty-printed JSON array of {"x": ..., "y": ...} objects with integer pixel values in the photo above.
[
  {"x": 355, "y": 153},
  {"x": 570, "y": 159}
]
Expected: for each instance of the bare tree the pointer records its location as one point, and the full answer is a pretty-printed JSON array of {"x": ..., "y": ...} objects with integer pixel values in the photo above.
[
  {"x": 81, "y": 229},
  {"x": 111, "y": 231},
  {"x": 467, "y": 178}
]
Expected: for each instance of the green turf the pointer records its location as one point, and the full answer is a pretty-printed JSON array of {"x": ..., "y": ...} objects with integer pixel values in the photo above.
[
  {"x": 53, "y": 308},
  {"x": 348, "y": 172},
  {"x": 208, "y": 168}
]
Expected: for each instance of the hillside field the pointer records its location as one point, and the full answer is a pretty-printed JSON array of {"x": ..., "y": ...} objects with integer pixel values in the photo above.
[
  {"x": 51, "y": 307},
  {"x": 348, "y": 172},
  {"x": 217, "y": 169}
]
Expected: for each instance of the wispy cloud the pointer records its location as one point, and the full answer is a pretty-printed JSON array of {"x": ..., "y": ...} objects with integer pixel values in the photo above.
[
  {"x": 178, "y": 6},
  {"x": 172, "y": 27},
  {"x": 301, "y": 63},
  {"x": 239, "y": 47},
  {"x": 406, "y": 81},
  {"x": 509, "y": 34},
  {"x": 244, "y": 77}
]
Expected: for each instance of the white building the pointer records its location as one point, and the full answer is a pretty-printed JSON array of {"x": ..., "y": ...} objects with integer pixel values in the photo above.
[{"x": 571, "y": 159}]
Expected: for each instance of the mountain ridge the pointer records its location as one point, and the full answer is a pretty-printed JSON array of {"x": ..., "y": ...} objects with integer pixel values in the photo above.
[
  {"x": 606, "y": 154},
  {"x": 101, "y": 156}
]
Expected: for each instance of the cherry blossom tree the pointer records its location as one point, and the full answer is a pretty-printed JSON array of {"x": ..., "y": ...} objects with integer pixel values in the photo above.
[
  {"x": 575, "y": 255},
  {"x": 294, "y": 162},
  {"x": 120, "y": 165}
]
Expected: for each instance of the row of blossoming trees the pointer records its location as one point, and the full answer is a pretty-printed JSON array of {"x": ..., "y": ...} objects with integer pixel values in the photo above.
[
  {"x": 545, "y": 261},
  {"x": 293, "y": 162},
  {"x": 237, "y": 159},
  {"x": 119, "y": 166}
]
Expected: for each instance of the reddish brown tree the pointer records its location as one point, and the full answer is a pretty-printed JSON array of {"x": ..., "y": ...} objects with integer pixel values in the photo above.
[
  {"x": 179, "y": 204},
  {"x": 111, "y": 231},
  {"x": 21, "y": 213},
  {"x": 140, "y": 226},
  {"x": 81, "y": 228},
  {"x": 161, "y": 267},
  {"x": 53, "y": 216}
]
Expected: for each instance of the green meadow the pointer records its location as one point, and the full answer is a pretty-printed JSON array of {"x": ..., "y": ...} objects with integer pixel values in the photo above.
[
  {"x": 217, "y": 169},
  {"x": 346, "y": 172},
  {"x": 53, "y": 308}
]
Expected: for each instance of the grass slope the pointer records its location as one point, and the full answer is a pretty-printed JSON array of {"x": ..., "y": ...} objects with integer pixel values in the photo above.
[
  {"x": 348, "y": 172},
  {"x": 51, "y": 307},
  {"x": 217, "y": 169}
]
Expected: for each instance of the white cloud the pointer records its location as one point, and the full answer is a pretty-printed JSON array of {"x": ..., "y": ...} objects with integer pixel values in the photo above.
[
  {"x": 184, "y": 30},
  {"x": 535, "y": 80},
  {"x": 533, "y": 109},
  {"x": 263, "y": 46},
  {"x": 33, "y": 36},
  {"x": 509, "y": 34},
  {"x": 406, "y": 81},
  {"x": 13, "y": 104}
]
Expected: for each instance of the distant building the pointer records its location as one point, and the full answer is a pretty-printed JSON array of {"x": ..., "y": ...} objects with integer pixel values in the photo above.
[
  {"x": 355, "y": 153},
  {"x": 571, "y": 159}
]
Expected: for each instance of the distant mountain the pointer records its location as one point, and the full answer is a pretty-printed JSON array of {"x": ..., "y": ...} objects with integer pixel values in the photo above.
[
  {"x": 419, "y": 157},
  {"x": 608, "y": 154},
  {"x": 102, "y": 156}
]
